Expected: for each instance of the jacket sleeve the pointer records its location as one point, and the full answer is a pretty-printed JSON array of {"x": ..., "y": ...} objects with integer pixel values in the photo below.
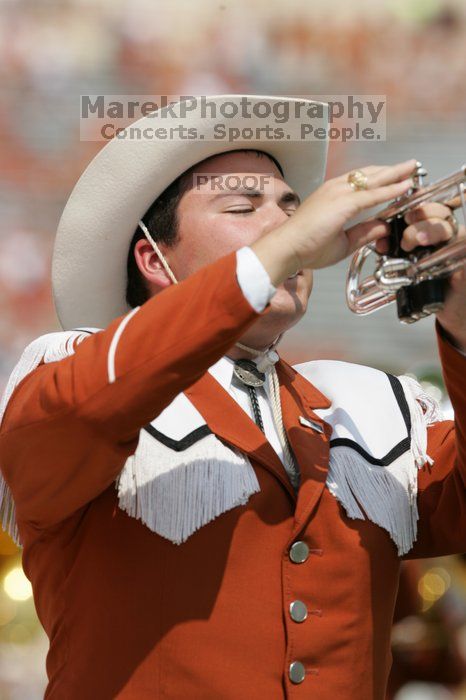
[
  {"x": 70, "y": 425},
  {"x": 442, "y": 486}
]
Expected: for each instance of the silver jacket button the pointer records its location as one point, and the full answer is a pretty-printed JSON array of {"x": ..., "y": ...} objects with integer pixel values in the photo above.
[
  {"x": 299, "y": 552},
  {"x": 298, "y": 611},
  {"x": 297, "y": 672}
]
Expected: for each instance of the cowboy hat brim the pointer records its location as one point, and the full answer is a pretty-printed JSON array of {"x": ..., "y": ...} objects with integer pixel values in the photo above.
[{"x": 123, "y": 180}]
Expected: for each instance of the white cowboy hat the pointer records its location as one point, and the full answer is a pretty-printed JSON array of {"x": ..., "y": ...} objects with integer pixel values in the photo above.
[{"x": 128, "y": 174}]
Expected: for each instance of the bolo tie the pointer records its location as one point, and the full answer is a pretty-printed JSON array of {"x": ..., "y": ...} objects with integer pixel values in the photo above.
[{"x": 250, "y": 375}]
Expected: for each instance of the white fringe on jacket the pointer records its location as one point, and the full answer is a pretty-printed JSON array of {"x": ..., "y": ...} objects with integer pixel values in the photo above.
[
  {"x": 387, "y": 495},
  {"x": 174, "y": 493},
  {"x": 47, "y": 348}
]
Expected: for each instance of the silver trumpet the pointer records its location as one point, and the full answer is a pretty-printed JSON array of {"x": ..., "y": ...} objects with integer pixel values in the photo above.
[{"x": 417, "y": 281}]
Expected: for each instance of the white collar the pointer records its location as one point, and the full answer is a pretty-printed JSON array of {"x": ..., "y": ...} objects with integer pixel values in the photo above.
[{"x": 222, "y": 371}]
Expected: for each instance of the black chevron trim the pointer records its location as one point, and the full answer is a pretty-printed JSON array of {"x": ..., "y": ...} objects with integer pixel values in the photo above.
[
  {"x": 184, "y": 443},
  {"x": 401, "y": 447},
  {"x": 390, "y": 457},
  {"x": 401, "y": 399}
]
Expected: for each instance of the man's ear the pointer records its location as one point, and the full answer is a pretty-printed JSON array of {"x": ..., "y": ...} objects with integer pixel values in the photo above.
[{"x": 150, "y": 266}]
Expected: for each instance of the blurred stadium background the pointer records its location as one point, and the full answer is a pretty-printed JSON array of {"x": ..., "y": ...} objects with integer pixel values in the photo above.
[{"x": 412, "y": 51}]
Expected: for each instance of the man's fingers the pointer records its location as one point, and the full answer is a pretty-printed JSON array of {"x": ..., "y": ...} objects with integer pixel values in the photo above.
[
  {"x": 368, "y": 170},
  {"x": 392, "y": 173},
  {"x": 382, "y": 245},
  {"x": 430, "y": 232},
  {"x": 365, "y": 199},
  {"x": 380, "y": 175},
  {"x": 366, "y": 232},
  {"x": 427, "y": 210}
]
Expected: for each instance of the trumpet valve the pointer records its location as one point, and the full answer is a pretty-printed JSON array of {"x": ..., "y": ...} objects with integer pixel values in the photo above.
[
  {"x": 393, "y": 273},
  {"x": 418, "y": 177}
]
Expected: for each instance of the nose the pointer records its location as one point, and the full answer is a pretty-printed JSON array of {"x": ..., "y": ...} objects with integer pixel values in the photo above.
[{"x": 274, "y": 216}]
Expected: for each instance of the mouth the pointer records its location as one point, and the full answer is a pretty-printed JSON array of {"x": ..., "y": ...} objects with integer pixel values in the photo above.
[{"x": 298, "y": 272}]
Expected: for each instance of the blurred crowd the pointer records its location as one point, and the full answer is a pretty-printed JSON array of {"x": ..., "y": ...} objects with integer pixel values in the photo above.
[
  {"x": 52, "y": 51},
  {"x": 413, "y": 51},
  {"x": 55, "y": 50}
]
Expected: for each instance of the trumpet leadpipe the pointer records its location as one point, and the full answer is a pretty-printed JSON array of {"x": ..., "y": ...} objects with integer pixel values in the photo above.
[{"x": 441, "y": 191}]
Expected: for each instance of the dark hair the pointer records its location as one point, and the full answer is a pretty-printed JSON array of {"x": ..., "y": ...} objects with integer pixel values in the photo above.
[{"x": 162, "y": 222}]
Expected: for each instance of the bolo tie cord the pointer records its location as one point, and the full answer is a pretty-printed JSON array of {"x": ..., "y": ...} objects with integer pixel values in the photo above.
[
  {"x": 266, "y": 362},
  {"x": 255, "y": 407}
]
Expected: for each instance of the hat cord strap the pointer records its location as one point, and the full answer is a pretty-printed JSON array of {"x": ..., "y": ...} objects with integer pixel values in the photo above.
[{"x": 159, "y": 252}]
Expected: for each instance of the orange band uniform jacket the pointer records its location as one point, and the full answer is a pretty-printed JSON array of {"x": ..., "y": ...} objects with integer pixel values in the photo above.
[{"x": 134, "y": 614}]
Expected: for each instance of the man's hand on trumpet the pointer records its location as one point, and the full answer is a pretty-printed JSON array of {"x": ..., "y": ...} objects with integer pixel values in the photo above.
[
  {"x": 315, "y": 235},
  {"x": 430, "y": 224}
]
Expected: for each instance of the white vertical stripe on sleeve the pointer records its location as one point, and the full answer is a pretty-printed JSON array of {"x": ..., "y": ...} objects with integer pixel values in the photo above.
[
  {"x": 114, "y": 343},
  {"x": 253, "y": 279}
]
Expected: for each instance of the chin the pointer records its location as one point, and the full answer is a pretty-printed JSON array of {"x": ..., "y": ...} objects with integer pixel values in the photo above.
[
  {"x": 287, "y": 308},
  {"x": 291, "y": 297}
]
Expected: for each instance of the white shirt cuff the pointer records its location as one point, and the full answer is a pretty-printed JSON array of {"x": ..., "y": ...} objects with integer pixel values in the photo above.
[{"x": 253, "y": 279}]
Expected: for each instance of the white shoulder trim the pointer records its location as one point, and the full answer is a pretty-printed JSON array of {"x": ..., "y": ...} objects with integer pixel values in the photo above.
[
  {"x": 47, "y": 348},
  {"x": 378, "y": 442},
  {"x": 114, "y": 343}
]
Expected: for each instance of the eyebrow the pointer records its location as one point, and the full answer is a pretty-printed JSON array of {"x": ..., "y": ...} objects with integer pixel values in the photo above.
[{"x": 286, "y": 197}]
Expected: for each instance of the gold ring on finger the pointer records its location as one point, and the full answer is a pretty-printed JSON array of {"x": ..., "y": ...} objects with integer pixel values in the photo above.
[
  {"x": 453, "y": 223},
  {"x": 357, "y": 180}
]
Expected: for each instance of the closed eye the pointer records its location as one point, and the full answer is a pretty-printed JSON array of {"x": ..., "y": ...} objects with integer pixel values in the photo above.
[{"x": 289, "y": 212}]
